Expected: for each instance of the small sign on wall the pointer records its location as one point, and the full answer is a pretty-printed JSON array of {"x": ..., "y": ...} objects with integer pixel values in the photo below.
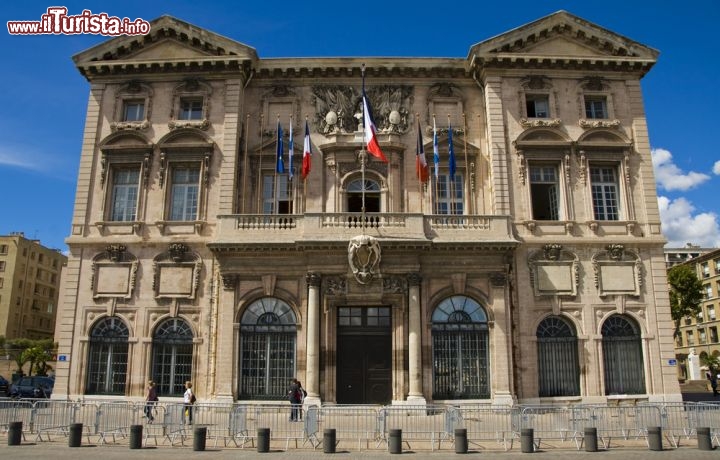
[
  {"x": 63, "y": 358},
  {"x": 672, "y": 362}
]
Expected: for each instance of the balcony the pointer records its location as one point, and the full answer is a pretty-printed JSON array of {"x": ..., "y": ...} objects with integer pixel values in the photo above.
[{"x": 341, "y": 227}]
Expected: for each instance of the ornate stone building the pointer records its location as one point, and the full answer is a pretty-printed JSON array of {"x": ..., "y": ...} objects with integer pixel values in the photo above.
[{"x": 528, "y": 269}]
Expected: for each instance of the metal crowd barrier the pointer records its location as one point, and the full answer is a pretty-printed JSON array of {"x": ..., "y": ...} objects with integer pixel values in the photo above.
[{"x": 361, "y": 427}]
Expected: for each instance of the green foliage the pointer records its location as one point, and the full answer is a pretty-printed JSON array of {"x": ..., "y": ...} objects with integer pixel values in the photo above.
[
  {"x": 686, "y": 293},
  {"x": 35, "y": 352}
]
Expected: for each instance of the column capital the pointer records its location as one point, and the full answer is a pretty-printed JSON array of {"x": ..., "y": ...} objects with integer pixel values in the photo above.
[
  {"x": 498, "y": 279},
  {"x": 414, "y": 279},
  {"x": 229, "y": 280},
  {"x": 313, "y": 279}
]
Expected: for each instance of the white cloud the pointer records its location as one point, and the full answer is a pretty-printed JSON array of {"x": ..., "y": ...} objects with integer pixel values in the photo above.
[
  {"x": 680, "y": 226},
  {"x": 670, "y": 177},
  {"x": 716, "y": 168},
  {"x": 7, "y": 159}
]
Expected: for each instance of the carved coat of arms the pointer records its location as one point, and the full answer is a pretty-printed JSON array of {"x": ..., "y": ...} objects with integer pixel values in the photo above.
[{"x": 364, "y": 257}]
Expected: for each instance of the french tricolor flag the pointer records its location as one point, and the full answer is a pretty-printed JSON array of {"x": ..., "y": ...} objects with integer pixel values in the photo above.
[
  {"x": 307, "y": 153},
  {"x": 370, "y": 132}
]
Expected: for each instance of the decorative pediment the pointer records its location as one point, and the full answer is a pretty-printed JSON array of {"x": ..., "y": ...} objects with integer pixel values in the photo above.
[
  {"x": 172, "y": 44},
  {"x": 176, "y": 273},
  {"x": 618, "y": 271},
  {"x": 602, "y": 137},
  {"x": 542, "y": 136},
  {"x": 554, "y": 271},
  {"x": 562, "y": 39},
  {"x": 113, "y": 273}
]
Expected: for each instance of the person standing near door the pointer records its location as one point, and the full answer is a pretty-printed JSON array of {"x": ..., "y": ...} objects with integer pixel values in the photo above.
[{"x": 295, "y": 398}]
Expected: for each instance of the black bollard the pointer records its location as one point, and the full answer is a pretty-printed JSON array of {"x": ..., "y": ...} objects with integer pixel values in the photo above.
[
  {"x": 591, "y": 439},
  {"x": 329, "y": 441},
  {"x": 14, "y": 433},
  {"x": 395, "y": 441},
  {"x": 703, "y": 436},
  {"x": 199, "y": 435},
  {"x": 263, "y": 438},
  {"x": 527, "y": 441},
  {"x": 136, "y": 436},
  {"x": 461, "y": 442},
  {"x": 75, "y": 435},
  {"x": 655, "y": 438}
]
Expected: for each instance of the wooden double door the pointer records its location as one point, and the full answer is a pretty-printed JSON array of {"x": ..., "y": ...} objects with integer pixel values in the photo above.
[{"x": 364, "y": 356}]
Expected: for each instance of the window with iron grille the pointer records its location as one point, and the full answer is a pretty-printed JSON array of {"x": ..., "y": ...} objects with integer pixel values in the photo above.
[
  {"x": 460, "y": 350},
  {"x": 622, "y": 356},
  {"x": 108, "y": 357},
  {"x": 268, "y": 331},
  {"x": 558, "y": 366},
  {"x": 172, "y": 356}
]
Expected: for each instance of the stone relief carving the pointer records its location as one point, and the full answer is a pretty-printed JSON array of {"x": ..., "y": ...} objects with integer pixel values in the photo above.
[
  {"x": 364, "y": 257},
  {"x": 176, "y": 273},
  {"x": 338, "y": 109},
  {"x": 335, "y": 285},
  {"x": 589, "y": 124},
  {"x": 229, "y": 281},
  {"x": 554, "y": 271},
  {"x": 394, "y": 285},
  {"x": 113, "y": 273},
  {"x": 541, "y": 123},
  {"x": 617, "y": 271}
]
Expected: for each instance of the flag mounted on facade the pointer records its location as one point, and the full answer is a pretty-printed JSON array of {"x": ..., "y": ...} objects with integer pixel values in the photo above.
[
  {"x": 290, "y": 151},
  {"x": 370, "y": 132},
  {"x": 451, "y": 151},
  {"x": 280, "y": 162},
  {"x": 421, "y": 166},
  {"x": 436, "y": 150},
  {"x": 307, "y": 153}
]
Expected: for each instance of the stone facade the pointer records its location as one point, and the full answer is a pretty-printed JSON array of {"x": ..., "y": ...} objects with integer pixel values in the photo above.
[{"x": 363, "y": 282}]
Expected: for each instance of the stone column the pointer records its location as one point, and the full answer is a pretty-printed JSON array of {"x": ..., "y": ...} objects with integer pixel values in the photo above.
[
  {"x": 312, "y": 362},
  {"x": 501, "y": 334},
  {"x": 225, "y": 337},
  {"x": 415, "y": 340}
]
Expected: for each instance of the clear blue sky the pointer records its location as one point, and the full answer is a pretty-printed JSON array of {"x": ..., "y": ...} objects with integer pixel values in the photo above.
[{"x": 45, "y": 96}]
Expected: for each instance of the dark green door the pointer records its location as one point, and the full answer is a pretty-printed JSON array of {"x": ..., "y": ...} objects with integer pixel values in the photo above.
[{"x": 364, "y": 358}]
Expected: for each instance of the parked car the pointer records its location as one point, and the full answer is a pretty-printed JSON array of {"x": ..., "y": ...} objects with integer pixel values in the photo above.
[
  {"x": 4, "y": 386},
  {"x": 32, "y": 387}
]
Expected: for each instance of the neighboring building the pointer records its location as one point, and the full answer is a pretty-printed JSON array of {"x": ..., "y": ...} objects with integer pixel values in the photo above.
[
  {"x": 535, "y": 273},
  {"x": 675, "y": 256},
  {"x": 29, "y": 287},
  {"x": 701, "y": 332}
]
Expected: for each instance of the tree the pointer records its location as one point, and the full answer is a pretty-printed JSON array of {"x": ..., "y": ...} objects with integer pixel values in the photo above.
[
  {"x": 686, "y": 293},
  {"x": 35, "y": 352}
]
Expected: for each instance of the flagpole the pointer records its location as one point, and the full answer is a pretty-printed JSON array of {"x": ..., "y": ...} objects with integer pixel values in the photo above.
[
  {"x": 467, "y": 169},
  {"x": 291, "y": 185},
  {"x": 277, "y": 146},
  {"x": 260, "y": 176},
  {"x": 451, "y": 188},
  {"x": 435, "y": 169},
  {"x": 363, "y": 154},
  {"x": 245, "y": 163},
  {"x": 417, "y": 171},
  {"x": 304, "y": 199}
]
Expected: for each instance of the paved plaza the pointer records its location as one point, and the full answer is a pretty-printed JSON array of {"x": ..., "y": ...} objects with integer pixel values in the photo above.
[{"x": 60, "y": 451}]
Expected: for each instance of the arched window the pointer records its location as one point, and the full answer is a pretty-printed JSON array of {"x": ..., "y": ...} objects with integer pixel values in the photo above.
[
  {"x": 460, "y": 350},
  {"x": 108, "y": 357},
  {"x": 622, "y": 356},
  {"x": 558, "y": 366},
  {"x": 268, "y": 332},
  {"x": 372, "y": 195},
  {"x": 172, "y": 356}
]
